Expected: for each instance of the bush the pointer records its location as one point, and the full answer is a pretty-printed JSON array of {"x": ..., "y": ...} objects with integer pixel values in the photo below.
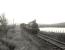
[{"x": 3, "y": 25}]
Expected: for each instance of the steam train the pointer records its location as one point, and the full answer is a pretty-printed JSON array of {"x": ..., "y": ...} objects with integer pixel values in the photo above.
[{"x": 30, "y": 27}]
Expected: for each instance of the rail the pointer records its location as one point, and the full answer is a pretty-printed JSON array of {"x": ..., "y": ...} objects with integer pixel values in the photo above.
[{"x": 52, "y": 41}]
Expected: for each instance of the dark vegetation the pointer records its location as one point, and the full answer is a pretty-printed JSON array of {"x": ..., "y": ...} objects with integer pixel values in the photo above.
[
  {"x": 4, "y": 28},
  {"x": 62, "y": 25}
]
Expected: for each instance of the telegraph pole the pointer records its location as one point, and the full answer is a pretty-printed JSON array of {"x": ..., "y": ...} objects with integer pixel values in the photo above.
[{"x": 13, "y": 21}]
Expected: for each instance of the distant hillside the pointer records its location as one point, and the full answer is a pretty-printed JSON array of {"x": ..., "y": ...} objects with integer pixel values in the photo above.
[{"x": 53, "y": 25}]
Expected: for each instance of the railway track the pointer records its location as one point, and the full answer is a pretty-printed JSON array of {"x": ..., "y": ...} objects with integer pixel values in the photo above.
[{"x": 53, "y": 41}]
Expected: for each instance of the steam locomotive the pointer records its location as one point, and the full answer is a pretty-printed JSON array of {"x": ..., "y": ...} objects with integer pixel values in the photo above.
[{"x": 31, "y": 27}]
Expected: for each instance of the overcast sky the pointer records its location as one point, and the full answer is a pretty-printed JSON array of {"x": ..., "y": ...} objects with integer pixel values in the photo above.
[{"x": 24, "y": 11}]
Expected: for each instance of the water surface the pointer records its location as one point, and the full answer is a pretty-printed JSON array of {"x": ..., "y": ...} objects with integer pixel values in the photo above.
[{"x": 53, "y": 29}]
